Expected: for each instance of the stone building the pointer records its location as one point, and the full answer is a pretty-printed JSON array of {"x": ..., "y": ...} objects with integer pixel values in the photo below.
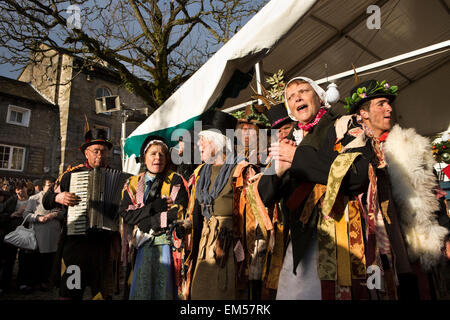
[
  {"x": 28, "y": 131},
  {"x": 73, "y": 87}
]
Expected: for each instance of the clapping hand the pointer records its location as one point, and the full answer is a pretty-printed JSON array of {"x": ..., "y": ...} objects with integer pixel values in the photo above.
[{"x": 283, "y": 153}]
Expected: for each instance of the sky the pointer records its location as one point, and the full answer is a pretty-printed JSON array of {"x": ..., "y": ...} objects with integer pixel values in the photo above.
[
  {"x": 10, "y": 71},
  {"x": 7, "y": 70}
]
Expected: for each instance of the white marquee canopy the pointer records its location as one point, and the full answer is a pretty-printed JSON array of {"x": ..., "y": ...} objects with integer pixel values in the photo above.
[{"x": 302, "y": 37}]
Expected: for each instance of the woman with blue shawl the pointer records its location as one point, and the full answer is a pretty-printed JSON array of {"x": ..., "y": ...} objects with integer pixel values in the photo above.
[{"x": 212, "y": 264}]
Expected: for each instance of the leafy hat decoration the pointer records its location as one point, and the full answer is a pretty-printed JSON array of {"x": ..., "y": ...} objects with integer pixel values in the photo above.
[
  {"x": 369, "y": 90},
  {"x": 252, "y": 115}
]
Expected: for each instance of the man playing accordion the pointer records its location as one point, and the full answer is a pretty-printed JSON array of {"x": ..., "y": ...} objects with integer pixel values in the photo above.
[{"x": 85, "y": 259}]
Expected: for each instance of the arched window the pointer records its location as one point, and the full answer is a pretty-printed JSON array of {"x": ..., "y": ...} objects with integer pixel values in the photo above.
[{"x": 102, "y": 92}]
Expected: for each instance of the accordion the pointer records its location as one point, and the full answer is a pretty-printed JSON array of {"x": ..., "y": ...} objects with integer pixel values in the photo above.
[{"x": 100, "y": 192}]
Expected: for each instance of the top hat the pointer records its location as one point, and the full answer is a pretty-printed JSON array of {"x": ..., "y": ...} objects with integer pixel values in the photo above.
[
  {"x": 219, "y": 120},
  {"x": 368, "y": 90},
  {"x": 278, "y": 116},
  {"x": 99, "y": 138}
]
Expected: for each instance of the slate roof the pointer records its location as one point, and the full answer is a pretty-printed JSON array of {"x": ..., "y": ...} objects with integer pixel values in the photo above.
[{"x": 22, "y": 90}]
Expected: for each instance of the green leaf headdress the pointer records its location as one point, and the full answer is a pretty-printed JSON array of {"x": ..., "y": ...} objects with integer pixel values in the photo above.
[{"x": 369, "y": 90}]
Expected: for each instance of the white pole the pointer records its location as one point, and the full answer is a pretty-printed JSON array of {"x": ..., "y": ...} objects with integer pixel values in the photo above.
[
  {"x": 124, "y": 116},
  {"x": 392, "y": 60},
  {"x": 258, "y": 72},
  {"x": 445, "y": 45}
]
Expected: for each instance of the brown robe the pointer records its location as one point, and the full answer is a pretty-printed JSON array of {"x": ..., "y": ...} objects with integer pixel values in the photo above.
[{"x": 210, "y": 281}]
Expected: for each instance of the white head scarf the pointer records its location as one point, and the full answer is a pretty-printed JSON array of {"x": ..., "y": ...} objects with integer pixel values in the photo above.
[
  {"x": 320, "y": 92},
  {"x": 152, "y": 142}
]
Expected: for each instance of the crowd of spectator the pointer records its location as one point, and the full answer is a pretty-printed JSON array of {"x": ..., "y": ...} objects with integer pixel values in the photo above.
[{"x": 21, "y": 199}]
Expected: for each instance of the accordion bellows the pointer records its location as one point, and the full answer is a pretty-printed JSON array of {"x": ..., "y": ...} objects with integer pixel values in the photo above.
[{"x": 100, "y": 193}]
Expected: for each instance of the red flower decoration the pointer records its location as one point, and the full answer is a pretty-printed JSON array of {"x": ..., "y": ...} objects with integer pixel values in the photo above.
[{"x": 356, "y": 132}]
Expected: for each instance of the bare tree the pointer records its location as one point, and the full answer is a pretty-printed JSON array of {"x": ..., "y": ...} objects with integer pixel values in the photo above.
[{"x": 154, "y": 46}]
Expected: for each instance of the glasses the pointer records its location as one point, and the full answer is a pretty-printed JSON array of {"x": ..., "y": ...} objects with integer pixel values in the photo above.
[{"x": 98, "y": 151}]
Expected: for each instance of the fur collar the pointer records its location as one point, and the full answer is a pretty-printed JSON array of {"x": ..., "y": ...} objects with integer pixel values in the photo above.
[{"x": 410, "y": 167}]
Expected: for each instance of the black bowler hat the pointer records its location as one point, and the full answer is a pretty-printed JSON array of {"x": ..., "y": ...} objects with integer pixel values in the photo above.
[
  {"x": 99, "y": 138},
  {"x": 278, "y": 116},
  {"x": 219, "y": 120},
  {"x": 368, "y": 90}
]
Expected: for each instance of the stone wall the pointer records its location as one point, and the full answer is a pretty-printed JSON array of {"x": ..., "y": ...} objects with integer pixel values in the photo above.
[
  {"x": 43, "y": 74},
  {"x": 74, "y": 91},
  {"x": 40, "y": 138},
  {"x": 82, "y": 102}
]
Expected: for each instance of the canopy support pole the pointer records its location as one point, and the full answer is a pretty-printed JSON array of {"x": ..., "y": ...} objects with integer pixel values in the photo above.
[
  {"x": 393, "y": 60},
  {"x": 258, "y": 73}
]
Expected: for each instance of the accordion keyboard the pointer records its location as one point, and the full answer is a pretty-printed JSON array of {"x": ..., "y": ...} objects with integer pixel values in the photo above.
[{"x": 77, "y": 216}]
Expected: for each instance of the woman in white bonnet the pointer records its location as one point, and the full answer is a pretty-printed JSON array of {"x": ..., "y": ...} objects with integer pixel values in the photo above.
[
  {"x": 306, "y": 103},
  {"x": 151, "y": 202}
]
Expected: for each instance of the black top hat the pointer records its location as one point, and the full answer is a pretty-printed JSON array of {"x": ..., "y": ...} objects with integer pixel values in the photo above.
[
  {"x": 146, "y": 142},
  {"x": 368, "y": 90},
  {"x": 278, "y": 116},
  {"x": 100, "y": 138},
  {"x": 219, "y": 120}
]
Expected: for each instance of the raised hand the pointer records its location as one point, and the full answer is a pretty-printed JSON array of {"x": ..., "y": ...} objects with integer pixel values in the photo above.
[{"x": 282, "y": 153}]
